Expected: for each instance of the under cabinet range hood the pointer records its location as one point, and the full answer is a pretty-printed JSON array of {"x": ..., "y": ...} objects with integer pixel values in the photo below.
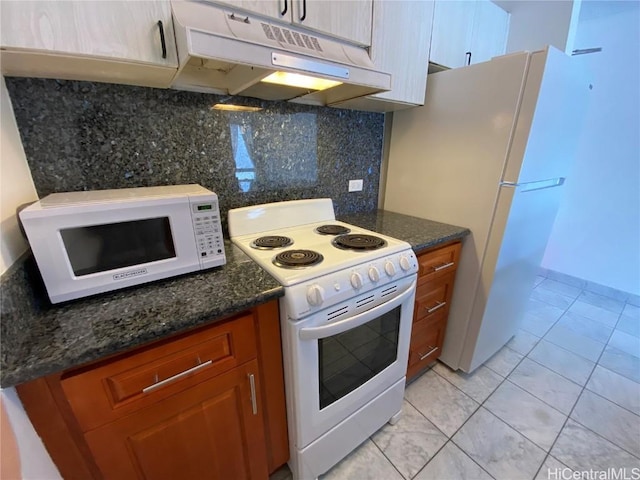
[{"x": 224, "y": 51}]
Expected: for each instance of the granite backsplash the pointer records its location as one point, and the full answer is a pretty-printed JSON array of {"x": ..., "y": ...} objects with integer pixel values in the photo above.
[{"x": 87, "y": 136}]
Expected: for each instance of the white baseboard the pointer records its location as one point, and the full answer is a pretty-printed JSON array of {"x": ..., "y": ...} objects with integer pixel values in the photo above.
[{"x": 592, "y": 287}]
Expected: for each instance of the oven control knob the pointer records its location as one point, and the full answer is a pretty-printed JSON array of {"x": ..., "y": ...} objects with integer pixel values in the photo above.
[
  {"x": 315, "y": 295},
  {"x": 404, "y": 263},
  {"x": 356, "y": 280},
  {"x": 374, "y": 274},
  {"x": 389, "y": 268}
]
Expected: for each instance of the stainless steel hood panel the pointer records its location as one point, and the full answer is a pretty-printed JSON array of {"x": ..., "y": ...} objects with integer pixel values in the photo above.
[{"x": 226, "y": 52}]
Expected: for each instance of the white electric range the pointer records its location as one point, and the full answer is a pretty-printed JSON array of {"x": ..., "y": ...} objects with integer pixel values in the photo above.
[{"x": 345, "y": 321}]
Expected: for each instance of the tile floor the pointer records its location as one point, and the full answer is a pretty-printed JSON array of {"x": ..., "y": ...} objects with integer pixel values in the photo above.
[{"x": 564, "y": 393}]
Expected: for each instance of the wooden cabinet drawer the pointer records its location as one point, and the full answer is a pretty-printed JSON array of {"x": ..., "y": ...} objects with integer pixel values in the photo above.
[
  {"x": 438, "y": 262},
  {"x": 114, "y": 388},
  {"x": 433, "y": 297},
  {"x": 427, "y": 337}
]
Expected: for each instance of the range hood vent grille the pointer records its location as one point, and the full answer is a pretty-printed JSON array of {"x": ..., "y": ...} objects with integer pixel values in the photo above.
[{"x": 284, "y": 35}]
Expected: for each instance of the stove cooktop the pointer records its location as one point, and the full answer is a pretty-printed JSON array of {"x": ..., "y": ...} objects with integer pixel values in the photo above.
[{"x": 367, "y": 247}]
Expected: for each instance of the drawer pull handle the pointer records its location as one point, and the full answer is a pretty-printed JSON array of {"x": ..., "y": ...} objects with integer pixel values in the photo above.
[
  {"x": 175, "y": 377},
  {"x": 254, "y": 402},
  {"x": 433, "y": 349},
  {"x": 443, "y": 266},
  {"x": 436, "y": 307}
]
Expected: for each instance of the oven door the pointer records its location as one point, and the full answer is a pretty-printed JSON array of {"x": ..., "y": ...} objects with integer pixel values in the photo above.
[{"x": 341, "y": 366}]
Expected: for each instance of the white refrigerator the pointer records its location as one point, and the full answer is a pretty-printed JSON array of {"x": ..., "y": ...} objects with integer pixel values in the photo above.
[{"x": 490, "y": 150}]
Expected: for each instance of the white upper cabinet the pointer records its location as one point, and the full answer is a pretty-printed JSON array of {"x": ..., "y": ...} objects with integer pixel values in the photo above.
[
  {"x": 466, "y": 32},
  {"x": 490, "y": 29},
  {"x": 53, "y": 38},
  {"x": 452, "y": 30},
  {"x": 345, "y": 19},
  {"x": 399, "y": 46}
]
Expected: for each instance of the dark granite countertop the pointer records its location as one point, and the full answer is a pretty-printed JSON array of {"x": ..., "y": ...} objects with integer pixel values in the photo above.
[
  {"x": 39, "y": 338},
  {"x": 418, "y": 232}
]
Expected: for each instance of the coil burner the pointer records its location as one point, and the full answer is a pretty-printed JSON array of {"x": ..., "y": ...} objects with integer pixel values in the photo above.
[
  {"x": 358, "y": 242},
  {"x": 270, "y": 242},
  {"x": 332, "y": 230},
  {"x": 297, "y": 259}
]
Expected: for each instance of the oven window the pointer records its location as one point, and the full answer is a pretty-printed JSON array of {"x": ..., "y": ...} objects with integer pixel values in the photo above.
[
  {"x": 99, "y": 248},
  {"x": 350, "y": 359}
]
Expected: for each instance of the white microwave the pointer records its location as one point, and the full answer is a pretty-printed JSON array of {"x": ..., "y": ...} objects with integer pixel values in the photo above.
[{"x": 92, "y": 242}]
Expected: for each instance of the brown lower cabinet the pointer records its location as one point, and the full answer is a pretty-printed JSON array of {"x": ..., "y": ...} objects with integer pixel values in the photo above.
[
  {"x": 206, "y": 431},
  {"x": 208, "y": 404},
  {"x": 436, "y": 276}
]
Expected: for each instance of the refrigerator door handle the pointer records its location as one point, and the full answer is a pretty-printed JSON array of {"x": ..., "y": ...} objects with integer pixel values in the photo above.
[{"x": 531, "y": 186}]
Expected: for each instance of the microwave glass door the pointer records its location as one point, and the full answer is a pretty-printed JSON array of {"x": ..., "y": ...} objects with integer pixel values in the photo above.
[
  {"x": 100, "y": 248},
  {"x": 351, "y": 358}
]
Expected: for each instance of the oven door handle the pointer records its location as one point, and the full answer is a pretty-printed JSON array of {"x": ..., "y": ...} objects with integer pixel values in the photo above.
[{"x": 314, "y": 333}]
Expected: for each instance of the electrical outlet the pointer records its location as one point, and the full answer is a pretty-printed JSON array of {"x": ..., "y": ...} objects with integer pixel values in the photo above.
[{"x": 355, "y": 185}]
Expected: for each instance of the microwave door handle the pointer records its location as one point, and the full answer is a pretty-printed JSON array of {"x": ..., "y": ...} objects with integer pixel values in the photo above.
[{"x": 314, "y": 333}]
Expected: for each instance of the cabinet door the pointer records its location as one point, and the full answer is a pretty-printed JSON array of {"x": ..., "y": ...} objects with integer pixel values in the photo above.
[
  {"x": 278, "y": 9},
  {"x": 490, "y": 28},
  {"x": 211, "y": 431},
  {"x": 346, "y": 19},
  {"x": 400, "y": 46},
  {"x": 452, "y": 30},
  {"x": 400, "y": 41},
  {"x": 123, "y": 30}
]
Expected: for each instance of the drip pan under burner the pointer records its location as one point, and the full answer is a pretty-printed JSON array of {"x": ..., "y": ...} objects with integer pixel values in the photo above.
[
  {"x": 271, "y": 241},
  {"x": 358, "y": 242},
  {"x": 332, "y": 230},
  {"x": 297, "y": 258}
]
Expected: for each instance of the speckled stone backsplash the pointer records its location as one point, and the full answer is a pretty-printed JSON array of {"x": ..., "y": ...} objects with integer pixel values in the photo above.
[{"x": 88, "y": 136}]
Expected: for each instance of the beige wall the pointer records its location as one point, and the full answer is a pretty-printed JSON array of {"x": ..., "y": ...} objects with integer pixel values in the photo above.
[
  {"x": 16, "y": 184},
  {"x": 596, "y": 235},
  {"x": 536, "y": 23}
]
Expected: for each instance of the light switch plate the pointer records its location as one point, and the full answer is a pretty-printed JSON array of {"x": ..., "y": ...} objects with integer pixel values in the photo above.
[{"x": 355, "y": 185}]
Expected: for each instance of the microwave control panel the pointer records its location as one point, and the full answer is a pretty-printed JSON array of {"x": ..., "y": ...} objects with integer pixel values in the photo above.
[{"x": 208, "y": 232}]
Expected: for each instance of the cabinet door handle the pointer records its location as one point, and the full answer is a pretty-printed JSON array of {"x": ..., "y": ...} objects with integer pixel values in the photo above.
[
  {"x": 254, "y": 402},
  {"x": 162, "y": 40},
  {"x": 443, "y": 266},
  {"x": 286, "y": 7},
  {"x": 304, "y": 10},
  {"x": 436, "y": 307},
  {"x": 433, "y": 349},
  {"x": 468, "y": 55},
  {"x": 175, "y": 377}
]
